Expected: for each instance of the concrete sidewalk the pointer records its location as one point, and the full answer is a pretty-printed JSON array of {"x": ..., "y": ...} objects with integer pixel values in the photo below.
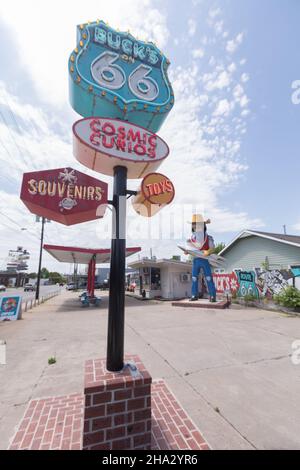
[{"x": 230, "y": 369}]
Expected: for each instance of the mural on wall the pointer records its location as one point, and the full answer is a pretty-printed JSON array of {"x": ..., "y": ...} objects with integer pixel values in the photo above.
[
  {"x": 247, "y": 283},
  {"x": 271, "y": 282},
  {"x": 259, "y": 282},
  {"x": 227, "y": 282}
]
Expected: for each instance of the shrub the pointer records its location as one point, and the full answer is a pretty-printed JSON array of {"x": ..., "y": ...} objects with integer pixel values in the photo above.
[
  {"x": 289, "y": 297},
  {"x": 249, "y": 297}
]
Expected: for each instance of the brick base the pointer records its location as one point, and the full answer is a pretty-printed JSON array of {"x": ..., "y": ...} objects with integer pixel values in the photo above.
[
  {"x": 57, "y": 424},
  {"x": 202, "y": 303},
  {"x": 117, "y": 411}
]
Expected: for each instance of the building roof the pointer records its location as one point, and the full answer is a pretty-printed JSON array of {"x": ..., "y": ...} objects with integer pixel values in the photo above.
[
  {"x": 293, "y": 240},
  {"x": 280, "y": 236},
  {"x": 71, "y": 254},
  {"x": 158, "y": 263}
]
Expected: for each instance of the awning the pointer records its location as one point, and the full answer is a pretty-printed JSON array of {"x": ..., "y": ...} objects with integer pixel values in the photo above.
[{"x": 71, "y": 254}]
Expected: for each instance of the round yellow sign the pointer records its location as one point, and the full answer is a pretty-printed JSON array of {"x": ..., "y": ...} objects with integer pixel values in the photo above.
[{"x": 156, "y": 191}]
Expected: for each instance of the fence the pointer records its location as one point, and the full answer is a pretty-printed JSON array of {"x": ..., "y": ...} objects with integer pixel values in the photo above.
[{"x": 31, "y": 303}]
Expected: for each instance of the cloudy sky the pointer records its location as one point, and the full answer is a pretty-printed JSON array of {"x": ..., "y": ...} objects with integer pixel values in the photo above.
[{"x": 233, "y": 132}]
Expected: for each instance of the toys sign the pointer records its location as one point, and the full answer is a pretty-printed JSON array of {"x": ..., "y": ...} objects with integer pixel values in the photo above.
[
  {"x": 156, "y": 192},
  {"x": 64, "y": 195},
  {"x": 101, "y": 144},
  {"x": 115, "y": 75}
]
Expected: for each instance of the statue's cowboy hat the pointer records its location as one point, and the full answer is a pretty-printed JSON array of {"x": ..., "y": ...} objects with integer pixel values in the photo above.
[{"x": 198, "y": 219}]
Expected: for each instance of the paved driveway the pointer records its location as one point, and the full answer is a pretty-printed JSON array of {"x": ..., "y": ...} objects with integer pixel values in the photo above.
[{"x": 230, "y": 369}]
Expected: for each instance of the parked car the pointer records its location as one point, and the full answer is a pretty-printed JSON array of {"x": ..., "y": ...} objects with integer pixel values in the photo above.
[
  {"x": 105, "y": 284},
  {"x": 29, "y": 288},
  {"x": 71, "y": 286},
  {"x": 2, "y": 288}
]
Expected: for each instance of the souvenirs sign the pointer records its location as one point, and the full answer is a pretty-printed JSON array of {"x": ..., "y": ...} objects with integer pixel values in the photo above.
[
  {"x": 102, "y": 144},
  {"x": 64, "y": 195},
  {"x": 113, "y": 74},
  {"x": 156, "y": 192}
]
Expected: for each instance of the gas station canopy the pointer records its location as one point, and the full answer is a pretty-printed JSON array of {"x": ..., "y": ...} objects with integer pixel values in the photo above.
[{"x": 70, "y": 254}]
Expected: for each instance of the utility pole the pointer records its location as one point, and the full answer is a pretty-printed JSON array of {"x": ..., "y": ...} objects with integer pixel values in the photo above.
[{"x": 37, "y": 292}]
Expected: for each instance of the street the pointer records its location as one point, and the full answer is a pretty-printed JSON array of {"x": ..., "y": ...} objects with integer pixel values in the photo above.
[{"x": 44, "y": 290}]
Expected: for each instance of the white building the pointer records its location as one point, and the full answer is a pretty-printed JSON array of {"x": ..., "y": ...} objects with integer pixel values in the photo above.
[{"x": 163, "y": 278}]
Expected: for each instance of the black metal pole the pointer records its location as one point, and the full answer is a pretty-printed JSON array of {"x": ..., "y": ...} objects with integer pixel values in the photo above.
[
  {"x": 37, "y": 292},
  {"x": 115, "y": 336}
]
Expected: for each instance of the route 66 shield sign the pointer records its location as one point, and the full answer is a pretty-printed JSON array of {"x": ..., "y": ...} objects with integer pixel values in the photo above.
[{"x": 112, "y": 74}]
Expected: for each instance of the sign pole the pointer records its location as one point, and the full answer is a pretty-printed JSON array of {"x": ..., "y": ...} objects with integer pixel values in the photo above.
[
  {"x": 37, "y": 292},
  {"x": 115, "y": 336}
]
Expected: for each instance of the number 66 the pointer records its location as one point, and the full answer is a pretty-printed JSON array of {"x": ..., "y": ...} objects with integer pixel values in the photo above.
[{"x": 109, "y": 75}]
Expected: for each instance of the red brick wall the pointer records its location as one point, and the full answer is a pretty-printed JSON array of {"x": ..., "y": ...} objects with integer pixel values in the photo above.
[{"x": 117, "y": 413}]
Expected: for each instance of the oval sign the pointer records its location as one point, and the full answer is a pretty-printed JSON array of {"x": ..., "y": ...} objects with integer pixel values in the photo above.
[
  {"x": 102, "y": 143},
  {"x": 156, "y": 192}
]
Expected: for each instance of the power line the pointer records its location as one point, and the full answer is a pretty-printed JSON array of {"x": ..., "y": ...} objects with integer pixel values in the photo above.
[
  {"x": 18, "y": 225},
  {"x": 17, "y": 125},
  {"x": 13, "y": 138}
]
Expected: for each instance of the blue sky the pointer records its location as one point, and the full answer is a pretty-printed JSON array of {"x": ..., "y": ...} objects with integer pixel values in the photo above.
[{"x": 233, "y": 131}]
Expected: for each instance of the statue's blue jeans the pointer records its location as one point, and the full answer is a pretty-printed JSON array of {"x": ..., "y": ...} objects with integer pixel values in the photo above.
[{"x": 198, "y": 265}]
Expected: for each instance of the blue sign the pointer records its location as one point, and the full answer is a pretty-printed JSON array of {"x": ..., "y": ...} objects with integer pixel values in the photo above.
[
  {"x": 10, "y": 308},
  {"x": 247, "y": 283},
  {"x": 112, "y": 74},
  {"x": 295, "y": 271}
]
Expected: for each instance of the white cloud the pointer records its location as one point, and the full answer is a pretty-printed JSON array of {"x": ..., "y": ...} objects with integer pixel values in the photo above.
[
  {"x": 233, "y": 44},
  {"x": 222, "y": 81},
  {"x": 244, "y": 101},
  {"x": 192, "y": 27},
  {"x": 232, "y": 67},
  {"x": 50, "y": 34},
  {"x": 198, "y": 53},
  {"x": 245, "y": 77},
  {"x": 218, "y": 26},
  {"x": 214, "y": 12},
  {"x": 238, "y": 91},
  {"x": 223, "y": 108},
  {"x": 245, "y": 113},
  {"x": 296, "y": 227}
]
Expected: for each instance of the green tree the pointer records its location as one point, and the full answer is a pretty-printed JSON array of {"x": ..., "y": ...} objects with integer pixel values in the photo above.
[
  {"x": 288, "y": 297},
  {"x": 32, "y": 275},
  {"x": 44, "y": 273},
  {"x": 56, "y": 278},
  {"x": 219, "y": 247}
]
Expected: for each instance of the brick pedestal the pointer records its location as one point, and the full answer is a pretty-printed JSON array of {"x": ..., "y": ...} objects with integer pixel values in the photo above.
[{"x": 117, "y": 412}]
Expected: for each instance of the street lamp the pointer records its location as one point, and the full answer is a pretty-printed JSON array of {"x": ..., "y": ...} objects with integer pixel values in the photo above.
[{"x": 38, "y": 282}]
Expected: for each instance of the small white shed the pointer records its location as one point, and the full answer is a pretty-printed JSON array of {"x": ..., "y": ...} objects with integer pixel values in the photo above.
[{"x": 164, "y": 278}]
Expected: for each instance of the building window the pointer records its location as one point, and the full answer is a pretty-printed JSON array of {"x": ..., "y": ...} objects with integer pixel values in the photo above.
[{"x": 155, "y": 278}]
